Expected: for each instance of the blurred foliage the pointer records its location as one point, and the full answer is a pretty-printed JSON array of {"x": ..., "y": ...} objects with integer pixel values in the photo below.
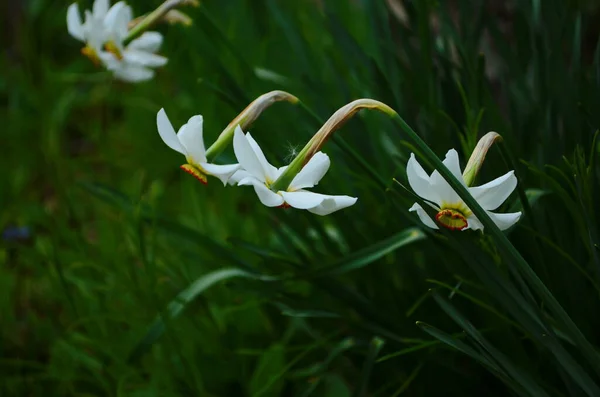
[{"x": 102, "y": 230}]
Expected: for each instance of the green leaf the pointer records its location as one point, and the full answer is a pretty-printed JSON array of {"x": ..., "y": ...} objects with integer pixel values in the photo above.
[{"x": 264, "y": 382}]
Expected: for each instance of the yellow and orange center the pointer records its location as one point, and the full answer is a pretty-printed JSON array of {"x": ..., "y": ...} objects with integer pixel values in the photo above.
[
  {"x": 190, "y": 169},
  {"x": 452, "y": 219}
]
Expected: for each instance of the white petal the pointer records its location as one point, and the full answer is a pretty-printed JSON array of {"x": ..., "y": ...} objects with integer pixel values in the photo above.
[
  {"x": 473, "y": 223},
  {"x": 167, "y": 133},
  {"x": 74, "y": 25},
  {"x": 148, "y": 41},
  {"x": 423, "y": 216},
  {"x": 94, "y": 32},
  {"x": 134, "y": 74},
  {"x": 238, "y": 176},
  {"x": 419, "y": 181},
  {"x": 265, "y": 195},
  {"x": 109, "y": 60},
  {"x": 491, "y": 195},
  {"x": 223, "y": 172},
  {"x": 439, "y": 184},
  {"x": 312, "y": 172},
  {"x": 100, "y": 8},
  {"x": 302, "y": 200},
  {"x": 271, "y": 172},
  {"x": 143, "y": 58},
  {"x": 117, "y": 20},
  {"x": 333, "y": 203},
  {"x": 504, "y": 221},
  {"x": 190, "y": 137},
  {"x": 246, "y": 156}
]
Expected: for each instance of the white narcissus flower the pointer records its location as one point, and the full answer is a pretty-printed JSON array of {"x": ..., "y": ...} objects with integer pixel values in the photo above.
[
  {"x": 104, "y": 32},
  {"x": 189, "y": 142},
  {"x": 452, "y": 212},
  {"x": 257, "y": 172}
]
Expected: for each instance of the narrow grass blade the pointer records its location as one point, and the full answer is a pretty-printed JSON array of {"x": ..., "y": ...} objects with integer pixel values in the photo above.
[{"x": 374, "y": 348}]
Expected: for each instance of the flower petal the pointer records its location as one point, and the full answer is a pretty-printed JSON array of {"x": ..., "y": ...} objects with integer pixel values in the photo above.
[
  {"x": 238, "y": 176},
  {"x": 100, "y": 8},
  {"x": 191, "y": 139},
  {"x": 419, "y": 181},
  {"x": 271, "y": 172},
  {"x": 427, "y": 221},
  {"x": 492, "y": 194},
  {"x": 442, "y": 188},
  {"x": 167, "y": 133},
  {"x": 246, "y": 155},
  {"x": 142, "y": 58},
  {"x": 504, "y": 221},
  {"x": 302, "y": 200},
  {"x": 117, "y": 21},
  {"x": 133, "y": 74},
  {"x": 265, "y": 195},
  {"x": 148, "y": 41},
  {"x": 474, "y": 223},
  {"x": 312, "y": 172},
  {"x": 223, "y": 172},
  {"x": 331, "y": 204},
  {"x": 74, "y": 25}
]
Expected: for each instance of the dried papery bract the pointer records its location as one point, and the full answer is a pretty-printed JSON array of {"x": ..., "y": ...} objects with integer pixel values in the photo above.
[
  {"x": 156, "y": 16},
  {"x": 478, "y": 156},
  {"x": 172, "y": 17},
  {"x": 246, "y": 118},
  {"x": 335, "y": 122}
]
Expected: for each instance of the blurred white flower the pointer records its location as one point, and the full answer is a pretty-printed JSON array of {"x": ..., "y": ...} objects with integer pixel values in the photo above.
[
  {"x": 189, "y": 142},
  {"x": 257, "y": 171},
  {"x": 104, "y": 31},
  {"x": 452, "y": 212}
]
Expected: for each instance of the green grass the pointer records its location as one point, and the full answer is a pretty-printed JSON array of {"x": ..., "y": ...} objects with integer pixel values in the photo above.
[{"x": 136, "y": 280}]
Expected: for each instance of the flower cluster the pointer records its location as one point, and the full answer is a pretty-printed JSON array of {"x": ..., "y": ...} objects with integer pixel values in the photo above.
[{"x": 104, "y": 31}]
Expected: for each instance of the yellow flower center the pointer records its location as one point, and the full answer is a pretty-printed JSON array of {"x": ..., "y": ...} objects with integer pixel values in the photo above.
[
  {"x": 113, "y": 49},
  {"x": 91, "y": 54},
  {"x": 453, "y": 216}
]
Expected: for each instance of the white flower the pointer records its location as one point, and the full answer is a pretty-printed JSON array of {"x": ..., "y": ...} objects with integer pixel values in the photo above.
[
  {"x": 189, "y": 142},
  {"x": 104, "y": 32},
  {"x": 257, "y": 171},
  {"x": 452, "y": 211}
]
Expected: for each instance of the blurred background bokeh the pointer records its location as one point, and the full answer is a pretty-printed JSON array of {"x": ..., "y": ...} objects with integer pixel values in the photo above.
[{"x": 101, "y": 229}]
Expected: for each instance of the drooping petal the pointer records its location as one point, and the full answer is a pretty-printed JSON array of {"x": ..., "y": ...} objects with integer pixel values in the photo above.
[
  {"x": 148, "y": 41},
  {"x": 265, "y": 195},
  {"x": 246, "y": 156},
  {"x": 492, "y": 194},
  {"x": 74, "y": 24},
  {"x": 143, "y": 58},
  {"x": 302, "y": 200},
  {"x": 332, "y": 204},
  {"x": 167, "y": 133},
  {"x": 312, "y": 173},
  {"x": 427, "y": 221},
  {"x": 100, "y": 8},
  {"x": 270, "y": 170},
  {"x": 419, "y": 181},
  {"x": 223, "y": 172},
  {"x": 190, "y": 137},
  {"x": 504, "y": 221},
  {"x": 133, "y": 74}
]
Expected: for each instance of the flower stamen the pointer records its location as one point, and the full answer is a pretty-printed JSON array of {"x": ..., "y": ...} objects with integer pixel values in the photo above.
[
  {"x": 452, "y": 219},
  {"x": 90, "y": 53},
  {"x": 113, "y": 49}
]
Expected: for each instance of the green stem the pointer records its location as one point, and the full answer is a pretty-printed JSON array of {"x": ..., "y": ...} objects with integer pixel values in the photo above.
[{"x": 504, "y": 244}]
